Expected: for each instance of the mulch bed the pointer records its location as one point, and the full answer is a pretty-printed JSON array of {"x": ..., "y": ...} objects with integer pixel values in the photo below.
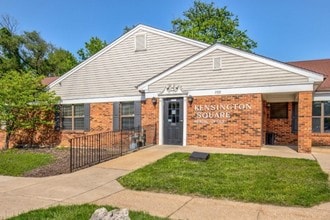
[{"x": 60, "y": 165}]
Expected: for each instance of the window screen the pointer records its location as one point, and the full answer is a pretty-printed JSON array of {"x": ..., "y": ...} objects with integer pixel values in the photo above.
[
  {"x": 321, "y": 117},
  {"x": 279, "y": 110},
  {"x": 127, "y": 115},
  {"x": 73, "y": 117}
]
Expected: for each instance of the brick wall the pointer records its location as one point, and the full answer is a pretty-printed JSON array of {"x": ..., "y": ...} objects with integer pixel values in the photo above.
[
  {"x": 149, "y": 120},
  {"x": 319, "y": 139},
  {"x": 2, "y": 139},
  {"x": 243, "y": 129},
  {"x": 101, "y": 115},
  {"x": 305, "y": 100},
  {"x": 282, "y": 128}
]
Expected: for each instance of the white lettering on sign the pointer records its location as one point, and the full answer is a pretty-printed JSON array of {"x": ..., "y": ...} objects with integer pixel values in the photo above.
[
  {"x": 222, "y": 107},
  {"x": 217, "y": 113}
]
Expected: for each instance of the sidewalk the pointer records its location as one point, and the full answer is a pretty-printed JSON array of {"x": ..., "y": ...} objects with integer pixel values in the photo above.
[{"x": 98, "y": 185}]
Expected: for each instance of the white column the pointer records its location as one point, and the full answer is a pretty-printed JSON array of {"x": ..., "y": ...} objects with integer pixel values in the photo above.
[
  {"x": 185, "y": 115},
  {"x": 161, "y": 121}
]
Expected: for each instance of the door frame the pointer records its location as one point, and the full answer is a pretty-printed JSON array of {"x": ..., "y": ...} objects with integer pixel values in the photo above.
[{"x": 161, "y": 119}]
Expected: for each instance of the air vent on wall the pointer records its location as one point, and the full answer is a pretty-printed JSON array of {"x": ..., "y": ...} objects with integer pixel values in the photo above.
[
  {"x": 140, "y": 42},
  {"x": 217, "y": 63}
]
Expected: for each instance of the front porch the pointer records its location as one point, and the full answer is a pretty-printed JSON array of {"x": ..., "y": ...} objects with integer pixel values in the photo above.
[{"x": 287, "y": 120}]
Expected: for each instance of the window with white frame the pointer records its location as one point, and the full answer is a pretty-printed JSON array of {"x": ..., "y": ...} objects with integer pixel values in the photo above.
[
  {"x": 73, "y": 117},
  {"x": 321, "y": 117},
  {"x": 127, "y": 115}
]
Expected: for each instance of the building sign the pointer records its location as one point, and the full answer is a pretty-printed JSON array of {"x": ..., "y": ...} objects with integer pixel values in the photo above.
[{"x": 217, "y": 114}]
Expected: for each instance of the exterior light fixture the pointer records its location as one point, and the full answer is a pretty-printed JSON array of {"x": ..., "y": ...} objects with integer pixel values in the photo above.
[
  {"x": 190, "y": 99},
  {"x": 154, "y": 101}
]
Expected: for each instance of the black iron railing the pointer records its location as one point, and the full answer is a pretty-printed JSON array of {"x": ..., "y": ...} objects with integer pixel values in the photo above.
[{"x": 92, "y": 149}]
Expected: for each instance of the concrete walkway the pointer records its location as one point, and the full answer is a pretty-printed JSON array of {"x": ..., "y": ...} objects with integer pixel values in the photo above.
[{"x": 98, "y": 185}]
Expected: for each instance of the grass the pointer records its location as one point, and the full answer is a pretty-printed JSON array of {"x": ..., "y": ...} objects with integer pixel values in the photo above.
[
  {"x": 74, "y": 212},
  {"x": 259, "y": 179},
  {"x": 16, "y": 163}
]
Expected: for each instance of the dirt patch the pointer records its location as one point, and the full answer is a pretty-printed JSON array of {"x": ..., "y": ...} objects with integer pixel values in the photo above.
[{"x": 60, "y": 165}]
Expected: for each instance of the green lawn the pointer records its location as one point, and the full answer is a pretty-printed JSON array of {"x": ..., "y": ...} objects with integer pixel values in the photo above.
[
  {"x": 260, "y": 179},
  {"x": 16, "y": 163},
  {"x": 74, "y": 212}
]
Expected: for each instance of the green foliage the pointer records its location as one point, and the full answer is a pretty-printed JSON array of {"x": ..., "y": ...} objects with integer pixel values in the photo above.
[
  {"x": 9, "y": 52},
  {"x": 16, "y": 163},
  {"x": 30, "y": 52},
  {"x": 73, "y": 212},
  {"x": 206, "y": 23},
  {"x": 61, "y": 61},
  {"x": 259, "y": 179},
  {"x": 128, "y": 28},
  {"x": 94, "y": 45},
  {"x": 24, "y": 103},
  {"x": 34, "y": 52}
]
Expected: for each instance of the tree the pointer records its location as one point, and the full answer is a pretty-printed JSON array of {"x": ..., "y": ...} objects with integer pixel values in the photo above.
[
  {"x": 34, "y": 52},
  {"x": 24, "y": 103},
  {"x": 8, "y": 22},
  {"x": 128, "y": 28},
  {"x": 206, "y": 23},
  {"x": 94, "y": 45},
  {"x": 60, "y": 61},
  {"x": 9, "y": 51}
]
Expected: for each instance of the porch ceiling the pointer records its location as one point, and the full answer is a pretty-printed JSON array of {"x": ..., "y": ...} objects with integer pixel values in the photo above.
[{"x": 280, "y": 97}]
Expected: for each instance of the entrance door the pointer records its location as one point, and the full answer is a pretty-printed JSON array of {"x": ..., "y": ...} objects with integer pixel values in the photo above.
[{"x": 173, "y": 121}]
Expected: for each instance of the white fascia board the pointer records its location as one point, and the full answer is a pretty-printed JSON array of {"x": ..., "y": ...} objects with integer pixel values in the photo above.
[
  {"x": 151, "y": 95},
  {"x": 252, "y": 90},
  {"x": 321, "y": 96},
  {"x": 102, "y": 100},
  {"x": 246, "y": 90},
  {"x": 122, "y": 38}
]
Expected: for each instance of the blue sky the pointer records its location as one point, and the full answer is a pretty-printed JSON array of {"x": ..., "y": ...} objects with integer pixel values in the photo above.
[{"x": 286, "y": 30}]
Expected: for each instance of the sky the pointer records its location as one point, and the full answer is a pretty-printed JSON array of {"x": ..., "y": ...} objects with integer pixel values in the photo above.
[{"x": 285, "y": 30}]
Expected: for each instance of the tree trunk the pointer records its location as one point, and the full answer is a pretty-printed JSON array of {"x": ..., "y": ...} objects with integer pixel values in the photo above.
[{"x": 8, "y": 135}]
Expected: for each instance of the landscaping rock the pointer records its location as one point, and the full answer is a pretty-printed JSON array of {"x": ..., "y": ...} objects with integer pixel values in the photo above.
[{"x": 116, "y": 214}]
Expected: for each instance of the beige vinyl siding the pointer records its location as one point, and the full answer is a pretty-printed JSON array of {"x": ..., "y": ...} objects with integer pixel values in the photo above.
[
  {"x": 236, "y": 72},
  {"x": 117, "y": 71}
]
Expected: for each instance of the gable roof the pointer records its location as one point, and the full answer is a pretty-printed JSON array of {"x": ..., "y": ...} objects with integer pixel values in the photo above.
[
  {"x": 320, "y": 66},
  {"x": 312, "y": 76},
  {"x": 48, "y": 80},
  {"x": 122, "y": 38}
]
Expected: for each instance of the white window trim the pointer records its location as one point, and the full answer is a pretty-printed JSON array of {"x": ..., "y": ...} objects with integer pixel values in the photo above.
[
  {"x": 121, "y": 115},
  {"x": 73, "y": 117}
]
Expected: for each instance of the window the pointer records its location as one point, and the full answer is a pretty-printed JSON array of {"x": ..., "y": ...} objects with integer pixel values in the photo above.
[
  {"x": 294, "y": 117},
  {"x": 73, "y": 117},
  {"x": 140, "y": 42},
  {"x": 217, "y": 63},
  {"x": 279, "y": 110},
  {"x": 127, "y": 116},
  {"x": 321, "y": 117}
]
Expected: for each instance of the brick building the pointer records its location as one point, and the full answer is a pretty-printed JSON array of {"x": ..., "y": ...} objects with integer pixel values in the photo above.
[{"x": 195, "y": 93}]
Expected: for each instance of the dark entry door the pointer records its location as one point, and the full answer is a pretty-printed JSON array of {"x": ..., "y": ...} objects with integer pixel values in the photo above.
[{"x": 173, "y": 121}]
